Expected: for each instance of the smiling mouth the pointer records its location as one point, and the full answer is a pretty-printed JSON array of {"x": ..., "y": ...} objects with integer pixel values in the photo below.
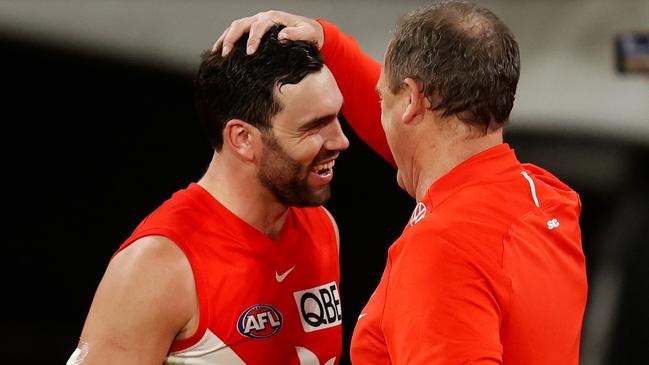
[{"x": 324, "y": 169}]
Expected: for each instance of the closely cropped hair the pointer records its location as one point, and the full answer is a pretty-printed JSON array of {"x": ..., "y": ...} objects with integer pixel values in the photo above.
[
  {"x": 243, "y": 87},
  {"x": 465, "y": 57}
]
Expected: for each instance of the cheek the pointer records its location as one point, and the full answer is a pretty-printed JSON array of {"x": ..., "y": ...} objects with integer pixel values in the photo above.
[
  {"x": 388, "y": 119},
  {"x": 385, "y": 115},
  {"x": 307, "y": 149}
]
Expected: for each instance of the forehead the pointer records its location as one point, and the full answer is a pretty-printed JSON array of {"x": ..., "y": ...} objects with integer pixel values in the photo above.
[{"x": 316, "y": 95}]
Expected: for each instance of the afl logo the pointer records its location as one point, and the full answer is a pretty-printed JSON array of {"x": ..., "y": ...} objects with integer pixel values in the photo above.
[
  {"x": 259, "y": 321},
  {"x": 418, "y": 214}
]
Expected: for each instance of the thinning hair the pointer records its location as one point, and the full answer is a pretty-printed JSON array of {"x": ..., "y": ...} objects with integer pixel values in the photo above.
[{"x": 465, "y": 57}]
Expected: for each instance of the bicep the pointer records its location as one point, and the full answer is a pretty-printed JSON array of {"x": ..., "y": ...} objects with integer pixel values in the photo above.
[
  {"x": 441, "y": 309},
  {"x": 144, "y": 300}
]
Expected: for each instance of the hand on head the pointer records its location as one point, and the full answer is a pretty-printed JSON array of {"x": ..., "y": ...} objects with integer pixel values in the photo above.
[{"x": 298, "y": 28}]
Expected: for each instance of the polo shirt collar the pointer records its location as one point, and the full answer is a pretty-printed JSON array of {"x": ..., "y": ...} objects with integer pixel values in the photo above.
[{"x": 498, "y": 163}]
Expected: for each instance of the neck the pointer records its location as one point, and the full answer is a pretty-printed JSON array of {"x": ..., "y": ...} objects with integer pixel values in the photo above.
[
  {"x": 441, "y": 152},
  {"x": 238, "y": 189}
]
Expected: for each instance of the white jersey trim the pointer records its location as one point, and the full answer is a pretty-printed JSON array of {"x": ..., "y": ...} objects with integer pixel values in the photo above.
[
  {"x": 532, "y": 188},
  {"x": 209, "y": 350},
  {"x": 309, "y": 358}
]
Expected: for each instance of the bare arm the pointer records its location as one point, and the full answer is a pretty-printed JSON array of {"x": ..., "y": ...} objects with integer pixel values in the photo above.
[{"x": 146, "y": 299}]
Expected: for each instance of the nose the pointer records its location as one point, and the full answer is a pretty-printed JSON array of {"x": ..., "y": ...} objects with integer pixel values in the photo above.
[{"x": 335, "y": 139}]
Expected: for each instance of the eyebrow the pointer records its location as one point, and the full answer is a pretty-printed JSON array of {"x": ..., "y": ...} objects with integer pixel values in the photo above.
[
  {"x": 376, "y": 88},
  {"x": 318, "y": 121}
]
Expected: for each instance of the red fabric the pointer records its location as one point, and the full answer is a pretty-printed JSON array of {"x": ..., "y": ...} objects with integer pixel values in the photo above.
[
  {"x": 235, "y": 268},
  {"x": 481, "y": 275},
  {"x": 357, "y": 75}
]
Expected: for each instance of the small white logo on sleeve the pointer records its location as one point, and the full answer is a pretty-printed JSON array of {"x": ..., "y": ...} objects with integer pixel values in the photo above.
[
  {"x": 418, "y": 214},
  {"x": 553, "y": 223},
  {"x": 319, "y": 307}
]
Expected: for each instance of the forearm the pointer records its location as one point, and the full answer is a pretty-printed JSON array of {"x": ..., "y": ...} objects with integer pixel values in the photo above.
[{"x": 356, "y": 74}]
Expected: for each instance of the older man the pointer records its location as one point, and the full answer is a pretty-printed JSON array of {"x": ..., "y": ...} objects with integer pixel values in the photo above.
[{"x": 489, "y": 268}]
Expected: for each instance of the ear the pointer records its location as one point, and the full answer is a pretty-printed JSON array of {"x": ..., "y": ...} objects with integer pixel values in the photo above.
[
  {"x": 239, "y": 136},
  {"x": 417, "y": 101}
]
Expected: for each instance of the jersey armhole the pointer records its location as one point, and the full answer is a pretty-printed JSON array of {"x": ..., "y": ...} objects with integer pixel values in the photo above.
[
  {"x": 199, "y": 282},
  {"x": 334, "y": 227}
]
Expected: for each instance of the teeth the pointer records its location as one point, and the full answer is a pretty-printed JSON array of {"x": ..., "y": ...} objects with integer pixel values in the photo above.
[{"x": 328, "y": 165}]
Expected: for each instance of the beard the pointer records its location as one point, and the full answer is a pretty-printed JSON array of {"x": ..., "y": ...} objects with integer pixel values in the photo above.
[{"x": 286, "y": 178}]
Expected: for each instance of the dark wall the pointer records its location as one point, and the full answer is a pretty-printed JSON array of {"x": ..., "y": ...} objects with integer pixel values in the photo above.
[{"x": 91, "y": 145}]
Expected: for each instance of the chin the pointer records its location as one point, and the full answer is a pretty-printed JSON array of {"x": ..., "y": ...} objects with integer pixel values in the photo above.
[
  {"x": 313, "y": 198},
  {"x": 321, "y": 196}
]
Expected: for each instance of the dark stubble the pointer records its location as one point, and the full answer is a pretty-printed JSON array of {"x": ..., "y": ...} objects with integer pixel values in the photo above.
[{"x": 286, "y": 178}]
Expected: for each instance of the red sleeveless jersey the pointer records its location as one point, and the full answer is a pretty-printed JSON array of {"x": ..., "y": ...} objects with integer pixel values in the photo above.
[{"x": 261, "y": 301}]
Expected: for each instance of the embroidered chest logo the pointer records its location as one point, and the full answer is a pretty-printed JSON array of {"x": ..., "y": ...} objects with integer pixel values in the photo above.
[
  {"x": 259, "y": 321},
  {"x": 319, "y": 307},
  {"x": 418, "y": 214},
  {"x": 280, "y": 277}
]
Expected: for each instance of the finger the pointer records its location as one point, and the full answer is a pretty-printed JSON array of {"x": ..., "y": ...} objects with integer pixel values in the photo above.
[
  {"x": 302, "y": 32},
  {"x": 257, "y": 31},
  {"x": 292, "y": 34},
  {"x": 219, "y": 42},
  {"x": 237, "y": 29}
]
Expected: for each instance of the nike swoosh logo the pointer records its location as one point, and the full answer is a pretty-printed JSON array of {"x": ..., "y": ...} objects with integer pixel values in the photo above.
[
  {"x": 283, "y": 276},
  {"x": 362, "y": 315}
]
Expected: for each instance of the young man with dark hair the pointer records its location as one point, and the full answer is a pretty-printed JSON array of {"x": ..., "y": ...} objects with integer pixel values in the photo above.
[
  {"x": 489, "y": 269},
  {"x": 242, "y": 266}
]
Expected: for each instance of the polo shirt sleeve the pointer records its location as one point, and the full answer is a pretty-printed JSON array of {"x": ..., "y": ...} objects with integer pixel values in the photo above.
[
  {"x": 356, "y": 74},
  {"x": 441, "y": 306}
]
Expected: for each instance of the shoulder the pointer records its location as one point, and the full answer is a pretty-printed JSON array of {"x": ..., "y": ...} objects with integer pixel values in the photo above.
[
  {"x": 181, "y": 210},
  {"x": 551, "y": 189},
  {"x": 455, "y": 231},
  {"x": 317, "y": 221},
  {"x": 151, "y": 255},
  {"x": 154, "y": 269},
  {"x": 148, "y": 286},
  {"x": 315, "y": 218},
  {"x": 145, "y": 300},
  {"x": 335, "y": 226},
  {"x": 178, "y": 218}
]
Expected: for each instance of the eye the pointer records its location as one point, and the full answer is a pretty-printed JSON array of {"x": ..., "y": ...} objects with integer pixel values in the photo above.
[
  {"x": 312, "y": 131},
  {"x": 316, "y": 125}
]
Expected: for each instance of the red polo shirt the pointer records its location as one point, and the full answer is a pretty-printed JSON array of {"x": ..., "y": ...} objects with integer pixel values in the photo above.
[{"x": 490, "y": 268}]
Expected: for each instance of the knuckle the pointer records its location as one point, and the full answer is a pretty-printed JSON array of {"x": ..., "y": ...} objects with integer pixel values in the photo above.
[{"x": 239, "y": 22}]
